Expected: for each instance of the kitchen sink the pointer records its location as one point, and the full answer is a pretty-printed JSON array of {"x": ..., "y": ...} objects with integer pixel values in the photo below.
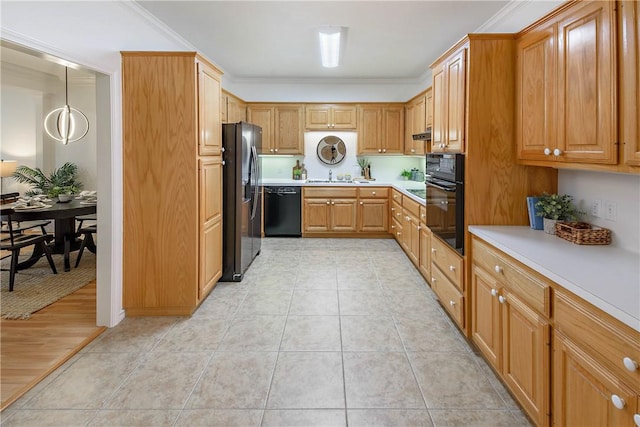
[{"x": 326, "y": 181}]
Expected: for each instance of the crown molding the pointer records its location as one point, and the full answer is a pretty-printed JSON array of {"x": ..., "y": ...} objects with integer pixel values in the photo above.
[{"x": 506, "y": 11}]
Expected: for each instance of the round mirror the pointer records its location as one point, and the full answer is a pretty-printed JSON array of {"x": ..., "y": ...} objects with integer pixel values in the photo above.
[{"x": 331, "y": 150}]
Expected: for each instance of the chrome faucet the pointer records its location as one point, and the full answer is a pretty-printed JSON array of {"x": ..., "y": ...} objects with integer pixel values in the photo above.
[{"x": 330, "y": 174}]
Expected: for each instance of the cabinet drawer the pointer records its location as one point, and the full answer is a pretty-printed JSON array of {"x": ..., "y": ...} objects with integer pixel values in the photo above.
[
  {"x": 448, "y": 294},
  {"x": 423, "y": 214},
  {"x": 330, "y": 192},
  {"x": 450, "y": 263},
  {"x": 412, "y": 206},
  {"x": 396, "y": 211},
  {"x": 373, "y": 193},
  {"x": 396, "y": 196},
  {"x": 588, "y": 325},
  {"x": 513, "y": 276},
  {"x": 396, "y": 229}
]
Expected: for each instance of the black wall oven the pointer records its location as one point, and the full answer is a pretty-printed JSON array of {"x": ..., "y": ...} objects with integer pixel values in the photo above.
[{"x": 445, "y": 198}]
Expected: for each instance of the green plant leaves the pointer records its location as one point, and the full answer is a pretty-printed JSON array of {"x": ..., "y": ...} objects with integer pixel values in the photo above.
[{"x": 63, "y": 180}]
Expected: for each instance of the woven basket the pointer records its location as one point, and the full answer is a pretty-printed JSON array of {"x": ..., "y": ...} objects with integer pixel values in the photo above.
[{"x": 582, "y": 233}]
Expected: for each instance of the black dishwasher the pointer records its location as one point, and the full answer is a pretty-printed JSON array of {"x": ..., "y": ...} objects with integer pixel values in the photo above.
[{"x": 282, "y": 211}]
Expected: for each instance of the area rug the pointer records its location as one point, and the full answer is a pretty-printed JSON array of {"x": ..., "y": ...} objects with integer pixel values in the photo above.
[{"x": 37, "y": 287}]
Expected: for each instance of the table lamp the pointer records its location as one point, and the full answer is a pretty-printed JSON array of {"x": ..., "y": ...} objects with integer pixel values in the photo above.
[{"x": 7, "y": 168}]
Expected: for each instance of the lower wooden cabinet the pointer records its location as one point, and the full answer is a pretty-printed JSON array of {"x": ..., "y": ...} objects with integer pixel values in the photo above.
[
  {"x": 585, "y": 392},
  {"x": 510, "y": 327},
  {"x": 328, "y": 209},
  {"x": 424, "y": 266},
  {"x": 373, "y": 214},
  {"x": 450, "y": 297},
  {"x": 411, "y": 237},
  {"x": 210, "y": 258}
]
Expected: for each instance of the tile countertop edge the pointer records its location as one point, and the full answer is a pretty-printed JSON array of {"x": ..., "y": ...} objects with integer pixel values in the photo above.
[{"x": 576, "y": 268}]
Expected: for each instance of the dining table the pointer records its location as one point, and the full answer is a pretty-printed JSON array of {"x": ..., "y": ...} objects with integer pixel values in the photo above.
[{"x": 65, "y": 237}]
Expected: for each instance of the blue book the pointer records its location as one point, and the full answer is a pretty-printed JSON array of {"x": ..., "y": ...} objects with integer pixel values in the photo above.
[{"x": 535, "y": 221}]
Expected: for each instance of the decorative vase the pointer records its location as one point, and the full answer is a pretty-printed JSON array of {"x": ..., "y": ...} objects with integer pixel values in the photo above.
[
  {"x": 549, "y": 225},
  {"x": 63, "y": 198}
]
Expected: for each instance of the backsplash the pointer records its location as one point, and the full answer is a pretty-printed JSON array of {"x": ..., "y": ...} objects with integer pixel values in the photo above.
[
  {"x": 383, "y": 168},
  {"x": 622, "y": 189}
]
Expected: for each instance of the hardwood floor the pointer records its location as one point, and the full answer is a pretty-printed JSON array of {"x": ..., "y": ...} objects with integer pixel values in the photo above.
[{"x": 31, "y": 349}]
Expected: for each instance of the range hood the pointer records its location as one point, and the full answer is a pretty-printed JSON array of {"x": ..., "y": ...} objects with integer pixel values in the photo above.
[{"x": 426, "y": 136}]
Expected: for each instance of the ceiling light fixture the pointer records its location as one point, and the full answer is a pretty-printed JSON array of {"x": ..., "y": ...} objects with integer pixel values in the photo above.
[
  {"x": 70, "y": 124},
  {"x": 330, "y": 40}
]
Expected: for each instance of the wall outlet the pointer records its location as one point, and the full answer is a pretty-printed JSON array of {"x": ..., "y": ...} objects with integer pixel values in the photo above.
[
  {"x": 611, "y": 210},
  {"x": 596, "y": 208}
]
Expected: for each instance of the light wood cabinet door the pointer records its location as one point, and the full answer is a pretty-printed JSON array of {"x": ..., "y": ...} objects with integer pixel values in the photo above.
[
  {"x": 343, "y": 215},
  {"x": 583, "y": 389},
  {"x": 438, "y": 88},
  {"x": 289, "y": 132},
  {"x": 224, "y": 107},
  {"x": 393, "y": 130},
  {"x": 316, "y": 216},
  {"x": 374, "y": 215},
  {"x": 236, "y": 110},
  {"x": 264, "y": 117},
  {"x": 408, "y": 126},
  {"x": 535, "y": 93},
  {"x": 630, "y": 81},
  {"x": 526, "y": 356},
  {"x": 209, "y": 115},
  {"x": 428, "y": 106},
  {"x": 328, "y": 116},
  {"x": 370, "y": 129},
  {"x": 344, "y": 117},
  {"x": 210, "y": 257},
  {"x": 425, "y": 253},
  {"x": 587, "y": 84},
  {"x": 396, "y": 230},
  {"x": 455, "y": 92},
  {"x": 485, "y": 316}
]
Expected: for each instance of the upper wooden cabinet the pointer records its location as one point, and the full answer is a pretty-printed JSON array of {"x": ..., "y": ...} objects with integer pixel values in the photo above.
[
  {"x": 281, "y": 124},
  {"x": 448, "y": 86},
  {"x": 630, "y": 81},
  {"x": 566, "y": 87},
  {"x": 234, "y": 109},
  {"x": 415, "y": 122},
  {"x": 172, "y": 247},
  {"x": 330, "y": 116},
  {"x": 380, "y": 128}
]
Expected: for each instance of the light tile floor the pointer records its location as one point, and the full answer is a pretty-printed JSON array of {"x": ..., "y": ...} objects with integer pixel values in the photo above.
[{"x": 329, "y": 332}]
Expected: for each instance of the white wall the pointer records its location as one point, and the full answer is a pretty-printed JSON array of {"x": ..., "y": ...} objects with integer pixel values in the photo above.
[
  {"x": 623, "y": 189},
  {"x": 383, "y": 168}
]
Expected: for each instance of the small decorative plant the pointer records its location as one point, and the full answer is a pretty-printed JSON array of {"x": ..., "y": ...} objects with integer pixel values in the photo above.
[
  {"x": 364, "y": 163},
  {"x": 557, "y": 207},
  {"x": 406, "y": 174},
  {"x": 63, "y": 180}
]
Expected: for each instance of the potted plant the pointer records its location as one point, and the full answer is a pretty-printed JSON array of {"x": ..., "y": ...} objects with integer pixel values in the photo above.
[
  {"x": 60, "y": 183},
  {"x": 406, "y": 174},
  {"x": 363, "y": 162},
  {"x": 555, "y": 207}
]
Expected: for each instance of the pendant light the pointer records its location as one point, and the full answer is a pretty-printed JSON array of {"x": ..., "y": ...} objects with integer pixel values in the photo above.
[{"x": 66, "y": 124}]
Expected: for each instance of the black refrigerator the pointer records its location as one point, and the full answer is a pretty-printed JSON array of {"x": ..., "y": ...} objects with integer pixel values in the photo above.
[{"x": 242, "y": 198}]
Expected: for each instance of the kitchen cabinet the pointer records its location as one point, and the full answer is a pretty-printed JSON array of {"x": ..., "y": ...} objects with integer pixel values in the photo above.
[
  {"x": 510, "y": 326},
  {"x": 172, "y": 242},
  {"x": 562, "y": 118},
  {"x": 282, "y": 131},
  {"x": 424, "y": 266},
  {"x": 596, "y": 358},
  {"x": 415, "y": 122},
  {"x": 428, "y": 105},
  {"x": 629, "y": 15},
  {"x": 411, "y": 229},
  {"x": 380, "y": 129},
  {"x": 448, "y": 91},
  {"x": 330, "y": 116},
  {"x": 447, "y": 279},
  {"x": 396, "y": 230},
  {"x": 327, "y": 209},
  {"x": 234, "y": 109},
  {"x": 373, "y": 209}
]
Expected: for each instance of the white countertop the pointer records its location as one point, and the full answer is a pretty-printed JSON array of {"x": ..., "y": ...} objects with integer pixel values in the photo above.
[
  {"x": 401, "y": 186},
  {"x": 606, "y": 276}
]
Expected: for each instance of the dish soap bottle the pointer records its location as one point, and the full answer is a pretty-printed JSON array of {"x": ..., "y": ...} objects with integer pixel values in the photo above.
[{"x": 303, "y": 174}]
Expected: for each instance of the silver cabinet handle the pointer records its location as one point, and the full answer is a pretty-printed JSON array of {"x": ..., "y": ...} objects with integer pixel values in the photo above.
[
  {"x": 502, "y": 299},
  {"x": 547, "y": 151},
  {"x": 557, "y": 152},
  {"x": 362, "y": 203},
  {"x": 617, "y": 401},
  {"x": 630, "y": 364},
  {"x": 223, "y": 163}
]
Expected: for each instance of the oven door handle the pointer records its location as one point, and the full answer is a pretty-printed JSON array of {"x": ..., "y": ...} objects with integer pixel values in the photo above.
[{"x": 448, "y": 189}]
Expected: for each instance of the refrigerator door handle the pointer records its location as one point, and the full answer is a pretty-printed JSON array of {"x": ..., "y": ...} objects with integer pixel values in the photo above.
[{"x": 254, "y": 180}]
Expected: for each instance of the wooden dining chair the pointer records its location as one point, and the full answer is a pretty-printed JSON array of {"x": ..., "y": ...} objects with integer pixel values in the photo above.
[
  {"x": 13, "y": 242},
  {"x": 82, "y": 218},
  {"x": 87, "y": 240}
]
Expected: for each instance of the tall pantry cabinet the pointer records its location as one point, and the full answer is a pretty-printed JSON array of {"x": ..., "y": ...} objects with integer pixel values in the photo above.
[{"x": 172, "y": 159}]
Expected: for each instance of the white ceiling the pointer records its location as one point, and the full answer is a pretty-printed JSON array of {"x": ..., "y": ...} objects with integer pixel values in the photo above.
[{"x": 386, "y": 40}]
